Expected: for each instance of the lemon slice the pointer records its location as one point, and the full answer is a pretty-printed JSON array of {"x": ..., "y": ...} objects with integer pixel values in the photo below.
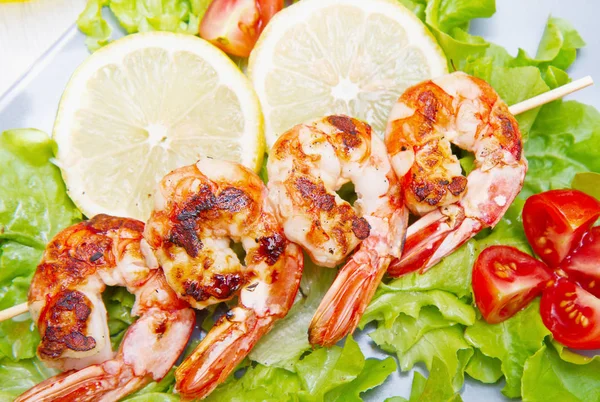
[
  {"x": 145, "y": 105},
  {"x": 355, "y": 57}
]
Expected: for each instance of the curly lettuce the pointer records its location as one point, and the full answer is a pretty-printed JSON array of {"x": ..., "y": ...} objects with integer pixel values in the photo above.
[
  {"x": 140, "y": 16},
  {"x": 333, "y": 374},
  {"x": 550, "y": 376},
  {"x": 437, "y": 387}
]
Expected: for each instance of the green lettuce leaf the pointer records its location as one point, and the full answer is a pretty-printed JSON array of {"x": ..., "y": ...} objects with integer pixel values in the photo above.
[
  {"x": 93, "y": 25},
  {"x": 588, "y": 182},
  {"x": 333, "y": 374},
  {"x": 373, "y": 374},
  {"x": 483, "y": 368},
  {"x": 512, "y": 342},
  {"x": 452, "y": 274},
  {"x": 416, "y": 6},
  {"x": 437, "y": 387},
  {"x": 17, "y": 260},
  {"x": 445, "y": 15},
  {"x": 325, "y": 369},
  {"x": 406, "y": 331},
  {"x": 448, "y": 21},
  {"x": 548, "y": 378},
  {"x": 18, "y": 377},
  {"x": 118, "y": 304},
  {"x": 140, "y": 16},
  {"x": 447, "y": 344},
  {"x": 558, "y": 46},
  {"x": 421, "y": 326},
  {"x": 155, "y": 397},
  {"x": 563, "y": 142},
  {"x": 18, "y": 336},
  {"x": 33, "y": 202},
  {"x": 340, "y": 373},
  {"x": 259, "y": 383},
  {"x": 387, "y": 306},
  {"x": 555, "y": 77}
]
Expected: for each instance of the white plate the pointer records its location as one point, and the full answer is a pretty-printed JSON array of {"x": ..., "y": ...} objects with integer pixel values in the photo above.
[{"x": 33, "y": 101}]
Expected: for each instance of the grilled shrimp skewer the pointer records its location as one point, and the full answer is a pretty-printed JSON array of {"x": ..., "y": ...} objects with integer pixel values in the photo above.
[
  {"x": 465, "y": 111},
  {"x": 306, "y": 166},
  {"x": 65, "y": 301},
  {"x": 199, "y": 210}
]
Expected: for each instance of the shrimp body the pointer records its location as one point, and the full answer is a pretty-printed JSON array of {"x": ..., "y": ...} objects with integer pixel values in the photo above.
[
  {"x": 306, "y": 166},
  {"x": 199, "y": 210},
  {"x": 465, "y": 111},
  {"x": 65, "y": 301}
]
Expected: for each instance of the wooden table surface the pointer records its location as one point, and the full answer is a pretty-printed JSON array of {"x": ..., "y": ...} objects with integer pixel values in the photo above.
[{"x": 27, "y": 30}]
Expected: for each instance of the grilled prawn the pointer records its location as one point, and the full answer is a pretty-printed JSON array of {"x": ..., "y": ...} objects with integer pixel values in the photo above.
[
  {"x": 199, "y": 210},
  {"x": 306, "y": 166},
  {"x": 65, "y": 301},
  {"x": 465, "y": 111}
]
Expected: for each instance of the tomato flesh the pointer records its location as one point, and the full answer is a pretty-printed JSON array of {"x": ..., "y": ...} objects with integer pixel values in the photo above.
[
  {"x": 582, "y": 265},
  {"x": 572, "y": 314},
  {"x": 505, "y": 280},
  {"x": 556, "y": 220},
  {"x": 235, "y": 25}
]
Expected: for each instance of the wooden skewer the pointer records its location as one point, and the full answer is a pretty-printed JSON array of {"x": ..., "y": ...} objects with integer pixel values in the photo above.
[
  {"x": 549, "y": 96},
  {"x": 13, "y": 311},
  {"x": 519, "y": 108}
]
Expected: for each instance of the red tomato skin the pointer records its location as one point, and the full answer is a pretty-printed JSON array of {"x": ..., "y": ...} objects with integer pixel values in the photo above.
[
  {"x": 235, "y": 25},
  {"x": 572, "y": 314},
  {"x": 267, "y": 9},
  {"x": 505, "y": 280},
  {"x": 556, "y": 220},
  {"x": 582, "y": 265}
]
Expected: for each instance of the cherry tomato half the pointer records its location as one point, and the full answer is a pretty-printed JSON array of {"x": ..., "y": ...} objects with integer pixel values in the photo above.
[
  {"x": 582, "y": 265},
  {"x": 556, "y": 220},
  {"x": 505, "y": 280},
  {"x": 235, "y": 25},
  {"x": 572, "y": 314}
]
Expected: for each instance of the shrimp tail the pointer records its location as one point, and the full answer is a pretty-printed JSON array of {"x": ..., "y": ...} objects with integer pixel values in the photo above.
[
  {"x": 225, "y": 346},
  {"x": 354, "y": 286},
  {"x": 341, "y": 309},
  {"x": 90, "y": 384},
  {"x": 424, "y": 239},
  {"x": 422, "y": 252},
  {"x": 440, "y": 232}
]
